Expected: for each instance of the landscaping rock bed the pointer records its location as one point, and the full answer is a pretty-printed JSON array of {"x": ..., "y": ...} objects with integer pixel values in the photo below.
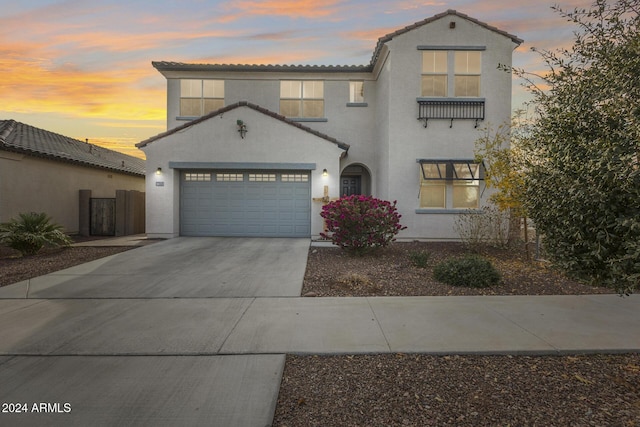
[
  {"x": 15, "y": 269},
  {"x": 391, "y": 272},
  {"x": 421, "y": 390},
  {"x": 453, "y": 390}
]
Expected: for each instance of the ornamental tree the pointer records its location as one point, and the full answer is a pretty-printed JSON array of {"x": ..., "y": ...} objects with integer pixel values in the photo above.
[
  {"x": 500, "y": 152},
  {"x": 583, "y": 184},
  {"x": 361, "y": 224}
]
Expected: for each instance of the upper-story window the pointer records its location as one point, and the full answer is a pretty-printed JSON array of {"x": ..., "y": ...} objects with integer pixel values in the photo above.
[
  {"x": 302, "y": 99},
  {"x": 199, "y": 97},
  {"x": 356, "y": 92},
  {"x": 437, "y": 73},
  {"x": 467, "y": 73},
  {"x": 434, "y": 73}
]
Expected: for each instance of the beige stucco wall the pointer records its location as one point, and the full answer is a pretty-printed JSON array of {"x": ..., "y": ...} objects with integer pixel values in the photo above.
[
  {"x": 409, "y": 140},
  {"x": 385, "y": 136},
  {"x": 353, "y": 125},
  {"x": 31, "y": 184},
  {"x": 217, "y": 140}
]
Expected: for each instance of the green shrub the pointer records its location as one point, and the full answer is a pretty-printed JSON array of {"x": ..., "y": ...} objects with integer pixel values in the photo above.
[
  {"x": 420, "y": 258},
  {"x": 471, "y": 270},
  {"x": 31, "y": 232},
  {"x": 361, "y": 223}
]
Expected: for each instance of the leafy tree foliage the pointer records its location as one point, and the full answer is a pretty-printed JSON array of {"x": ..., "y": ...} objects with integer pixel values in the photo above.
[
  {"x": 503, "y": 158},
  {"x": 503, "y": 165},
  {"x": 583, "y": 186}
]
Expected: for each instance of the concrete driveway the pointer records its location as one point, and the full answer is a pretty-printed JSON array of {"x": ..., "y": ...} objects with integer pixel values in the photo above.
[
  {"x": 136, "y": 338},
  {"x": 194, "y": 331},
  {"x": 185, "y": 267}
]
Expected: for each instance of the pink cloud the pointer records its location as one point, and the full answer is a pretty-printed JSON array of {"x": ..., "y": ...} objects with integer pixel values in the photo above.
[
  {"x": 290, "y": 8},
  {"x": 403, "y": 6}
]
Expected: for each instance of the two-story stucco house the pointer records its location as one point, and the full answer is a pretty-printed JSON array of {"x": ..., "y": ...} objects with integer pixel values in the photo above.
[{"x": 252, "y": 150}]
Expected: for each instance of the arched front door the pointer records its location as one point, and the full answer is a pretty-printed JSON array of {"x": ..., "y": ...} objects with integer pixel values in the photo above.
[{"x": 355, "y": 179}]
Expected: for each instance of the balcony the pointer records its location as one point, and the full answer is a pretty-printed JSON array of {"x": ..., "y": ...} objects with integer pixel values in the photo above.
[{"x": 450, "y": 109}]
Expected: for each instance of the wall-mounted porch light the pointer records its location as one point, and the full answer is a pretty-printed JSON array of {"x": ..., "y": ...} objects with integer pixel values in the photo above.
[
  {"x": 324, "y": 172},
  {"x": 242, "y": 128},
  {"x": 159, "y": 171}
]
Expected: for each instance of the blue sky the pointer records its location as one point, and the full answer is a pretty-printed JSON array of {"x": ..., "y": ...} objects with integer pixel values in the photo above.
[{"x": 82, "y": 68}]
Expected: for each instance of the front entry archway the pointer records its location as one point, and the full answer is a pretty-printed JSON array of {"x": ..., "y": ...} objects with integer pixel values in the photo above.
[{"x": 355, "y": 179}]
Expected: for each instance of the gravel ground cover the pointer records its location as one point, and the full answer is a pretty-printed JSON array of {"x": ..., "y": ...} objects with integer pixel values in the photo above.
[
  {"x": 455, "y": 390},
  {"x": 425, "y": 390},
  {"x": 421, "y": 390},
  {"x": 14, "y": 268},
  {"x": 391, "y": 272}
]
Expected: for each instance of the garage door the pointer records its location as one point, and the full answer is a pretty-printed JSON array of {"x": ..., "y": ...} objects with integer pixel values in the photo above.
[{"x": 245, "y": 203}]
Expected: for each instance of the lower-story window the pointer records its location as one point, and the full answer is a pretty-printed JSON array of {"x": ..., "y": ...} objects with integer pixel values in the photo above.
[
  {"x": 449, "y": 184},
  {"x": 433, "y": 188}
]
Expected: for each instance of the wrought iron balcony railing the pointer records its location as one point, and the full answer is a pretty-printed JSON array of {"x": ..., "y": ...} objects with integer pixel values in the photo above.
[{"x": 450, "y": 109}]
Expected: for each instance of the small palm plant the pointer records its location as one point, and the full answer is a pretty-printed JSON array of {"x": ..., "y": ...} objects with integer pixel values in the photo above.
[{"x": 31, "y": 232}]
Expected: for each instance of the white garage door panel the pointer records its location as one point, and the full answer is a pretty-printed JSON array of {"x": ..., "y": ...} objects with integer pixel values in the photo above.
[{"x": 254, "y": 205}]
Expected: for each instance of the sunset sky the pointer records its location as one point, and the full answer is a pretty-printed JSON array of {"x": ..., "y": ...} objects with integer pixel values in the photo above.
[{"x": 82, "y": 68}]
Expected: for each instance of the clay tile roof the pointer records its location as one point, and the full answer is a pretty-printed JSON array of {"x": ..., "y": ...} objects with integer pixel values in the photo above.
[
  {"x": 21, "y": 138},
  {"x": 180, "y": 66},
  {"x": 262, "y": 110},
  {"x": 382, "y": 40}
]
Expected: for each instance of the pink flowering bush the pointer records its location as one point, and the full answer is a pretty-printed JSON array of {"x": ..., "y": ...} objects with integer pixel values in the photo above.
[{"x": 361, "y": 223}]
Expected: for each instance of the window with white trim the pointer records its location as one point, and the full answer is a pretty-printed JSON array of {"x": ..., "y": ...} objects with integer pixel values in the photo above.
[
  {"x": 433, "y": 189},
  {"x": 467, "y": 73},
  {"x": 302, "y": 98},
  {"x": 466, "y": 186},
  {"x": 200, "y": 97},
  {"x": 440, "y": 67},
  {"x": 449, "y": 184},
  {"x": 434, "y": 73},
  {"x": 356, "y": 92}
]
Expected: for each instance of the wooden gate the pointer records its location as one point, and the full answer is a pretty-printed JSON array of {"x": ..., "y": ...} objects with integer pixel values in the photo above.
[{"x": 103, "y": 217}]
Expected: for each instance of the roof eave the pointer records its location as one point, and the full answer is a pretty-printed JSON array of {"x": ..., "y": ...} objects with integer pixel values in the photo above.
[
  {"x": 341, "y": 145},
  {"x": 179, "y": 66},
  {"x": 388, "y": 37}
]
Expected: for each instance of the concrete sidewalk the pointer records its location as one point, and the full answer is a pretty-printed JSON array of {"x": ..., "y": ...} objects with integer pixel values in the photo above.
[
  {"x": 195, "y": 332},
  {"x": 228, "y": 326}
]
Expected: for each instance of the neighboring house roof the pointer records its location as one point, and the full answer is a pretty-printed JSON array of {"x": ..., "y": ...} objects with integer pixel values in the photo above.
[
  {"x": 21, "y": 138},
  {"x": 180, "y": 66},
  {"x": 262, "y": 110}
]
